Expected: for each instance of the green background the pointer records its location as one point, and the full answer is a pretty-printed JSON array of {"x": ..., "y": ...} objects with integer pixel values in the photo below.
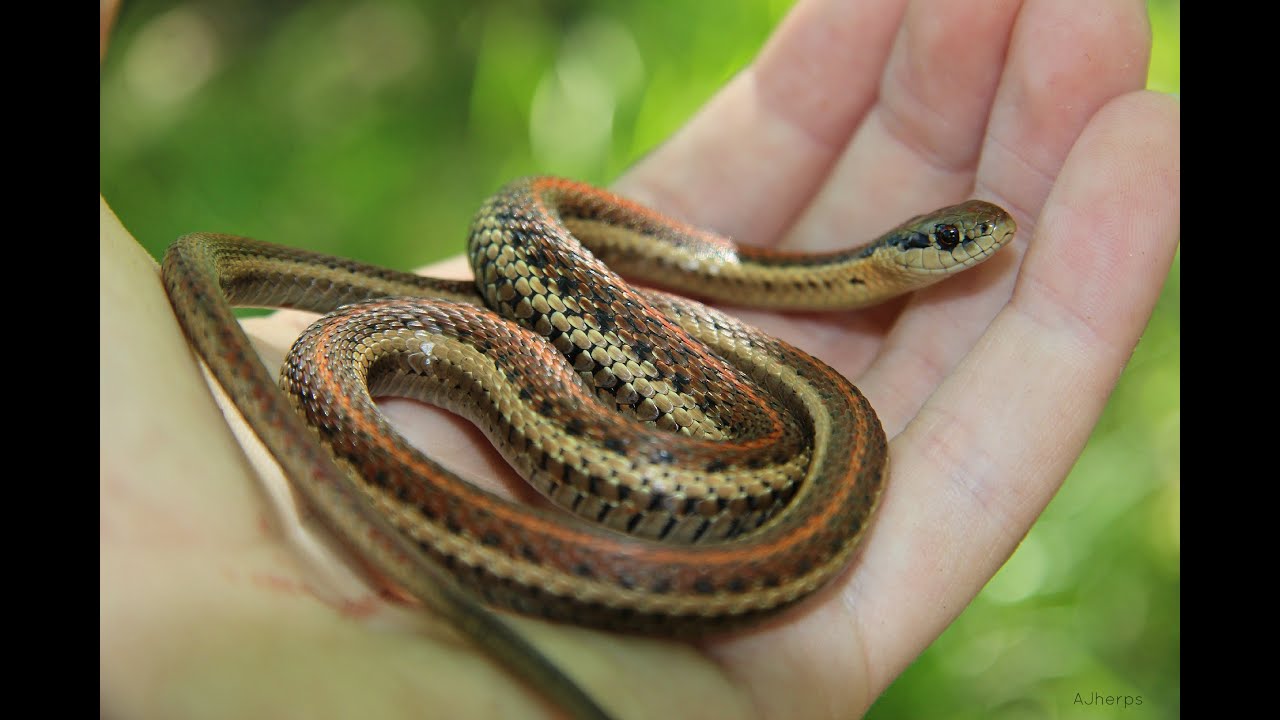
[{"x": 373, "y": 129}]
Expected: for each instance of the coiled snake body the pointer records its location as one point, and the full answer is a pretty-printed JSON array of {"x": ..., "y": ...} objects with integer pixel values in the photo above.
[{"x": 724, "y": 473}]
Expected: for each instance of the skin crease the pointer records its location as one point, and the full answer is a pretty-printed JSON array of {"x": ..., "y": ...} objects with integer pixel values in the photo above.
[{"x": 854, "y": 110}]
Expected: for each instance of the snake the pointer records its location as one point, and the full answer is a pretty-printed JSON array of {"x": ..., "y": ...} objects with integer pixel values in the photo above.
[{"x": 704, "y": 475}]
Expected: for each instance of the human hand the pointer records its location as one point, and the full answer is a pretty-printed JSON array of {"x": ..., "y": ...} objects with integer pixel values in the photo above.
[{"x": 989, "y": 384}]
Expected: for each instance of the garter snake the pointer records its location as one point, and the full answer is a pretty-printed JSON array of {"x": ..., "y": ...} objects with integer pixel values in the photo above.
[{"x": 734, "y": 476}]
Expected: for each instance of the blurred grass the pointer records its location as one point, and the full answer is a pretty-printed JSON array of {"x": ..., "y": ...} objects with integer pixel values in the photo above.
[{"x": 373, "y": 129}]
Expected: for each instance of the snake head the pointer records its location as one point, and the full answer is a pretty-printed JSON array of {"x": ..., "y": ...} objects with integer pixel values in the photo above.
[{"x": 948, "y": 239}]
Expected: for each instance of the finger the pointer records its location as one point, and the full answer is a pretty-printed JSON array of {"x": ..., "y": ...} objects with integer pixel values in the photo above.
[
  {"x": 150, "y": 436},
  {"x": 1066, "y": 62},
  {"x": 992, "y": 445},
  {"x": 918, "y": 149},
  {"x": 1046, "y": 84},
  {"x": 753, "y": 156}
]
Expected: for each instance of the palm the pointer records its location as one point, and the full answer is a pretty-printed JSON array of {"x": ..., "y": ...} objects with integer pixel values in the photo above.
[{"x": 847, "y": 123}]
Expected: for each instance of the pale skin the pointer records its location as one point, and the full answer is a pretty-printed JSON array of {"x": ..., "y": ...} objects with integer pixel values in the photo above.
[{"x": 988, "y": 385}]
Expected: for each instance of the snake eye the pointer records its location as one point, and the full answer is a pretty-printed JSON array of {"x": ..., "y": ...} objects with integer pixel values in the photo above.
[{"x": 947, "y": 236}]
